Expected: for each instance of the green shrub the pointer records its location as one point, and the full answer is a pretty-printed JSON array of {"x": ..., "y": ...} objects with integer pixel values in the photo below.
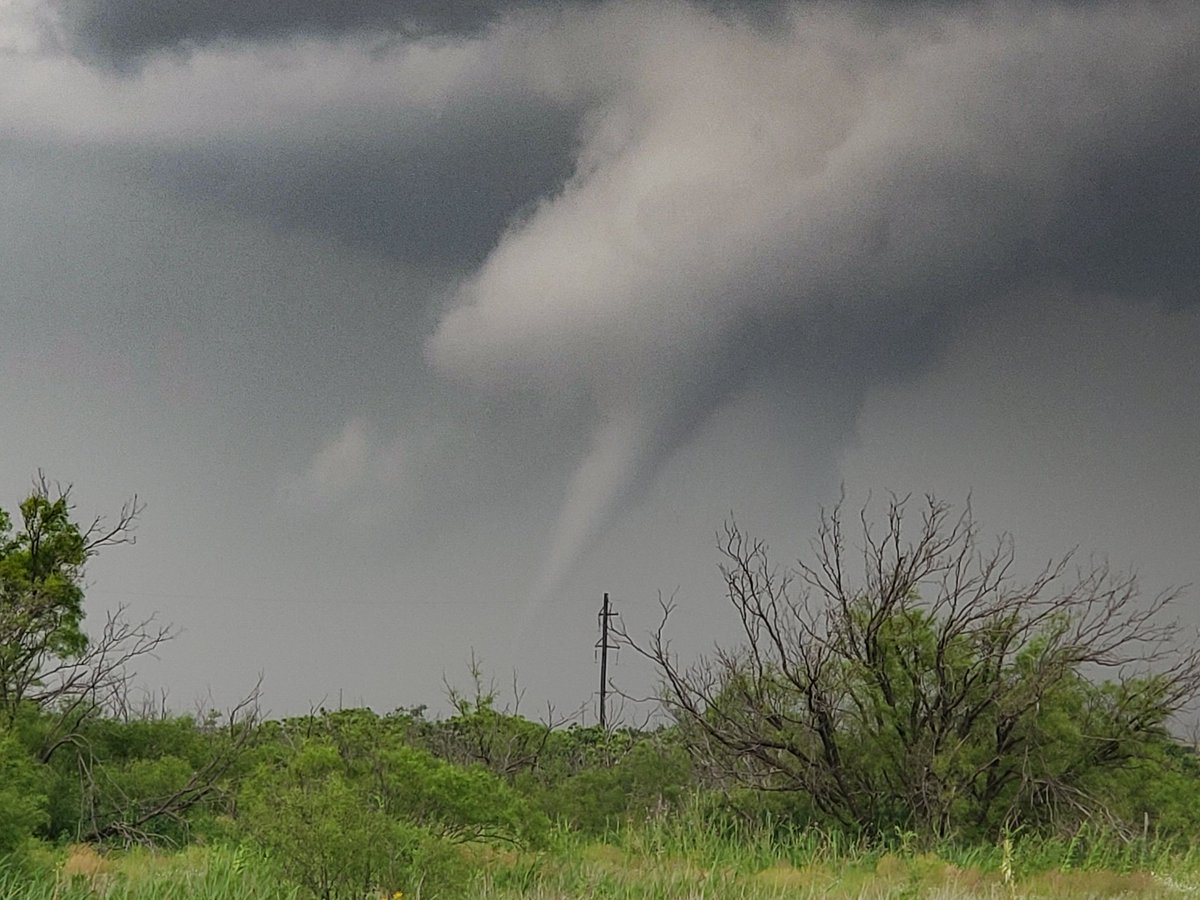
[
  {"x": 651, "y": 778},
  {"x": 456, "y": 802},
  {"x": 22, "y": 794},
  {"x": 329, "y": 834}
]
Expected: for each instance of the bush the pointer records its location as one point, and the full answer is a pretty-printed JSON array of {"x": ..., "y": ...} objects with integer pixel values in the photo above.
[
  {"x": 325, "y": 833},
  {"x": 365, "y": 812},
  {"x": 22, "y": 794},
  {"x": 651, "y": 778},
  {"x": 455, "y": 802}
]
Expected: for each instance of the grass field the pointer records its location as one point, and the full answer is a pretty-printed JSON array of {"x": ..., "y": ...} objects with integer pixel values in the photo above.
[{"x": 662, "y": 860}]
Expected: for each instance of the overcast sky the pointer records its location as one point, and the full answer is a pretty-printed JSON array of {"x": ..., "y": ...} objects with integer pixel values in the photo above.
[{"x": 418, "y": 326}]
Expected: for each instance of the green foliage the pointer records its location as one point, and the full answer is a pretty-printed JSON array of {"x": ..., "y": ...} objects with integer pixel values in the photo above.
[
  {"x": 41, "y": 594},
  {"x": 411, "y": 783},
  {"x": 109, "y": 779},
  {"x": 345, "y": 804},
  {"x": 1155, "y": 796},
  {"x": 22, "y": 794},
  {"x": 456, "y": 802},
  {"x": 79, "y": 873},
  {"x": 331, "y": 836},
  {"x": 479, "y": 733},
  {"x": 935, "y": 706},
  {"x": 652, "y": 777},
  {"x": 1048, "y": 753},
  {"x": 325, "y": 834}
]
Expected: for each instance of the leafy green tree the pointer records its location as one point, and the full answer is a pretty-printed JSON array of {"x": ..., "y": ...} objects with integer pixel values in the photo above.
[
  {"x": 43, "y": 646},
  {"x": 148, "y": 779},
  {"x": 41, "y": 598},
  {"x": 935, "y": 692},
  {"x": 456, "y": 802},
  {"x": 1158, "y": 797},
  {"x": 47, "y": 660}
]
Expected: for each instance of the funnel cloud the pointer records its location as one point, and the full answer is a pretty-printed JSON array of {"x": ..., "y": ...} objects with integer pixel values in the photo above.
[{"x": 735, "y": 185}]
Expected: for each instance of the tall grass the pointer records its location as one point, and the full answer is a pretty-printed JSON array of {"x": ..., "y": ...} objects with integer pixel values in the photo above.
[
  {"x": 691, "y": 856},
  {"x": 196, "y": 873},
  {"x": 696, "y": 857}
]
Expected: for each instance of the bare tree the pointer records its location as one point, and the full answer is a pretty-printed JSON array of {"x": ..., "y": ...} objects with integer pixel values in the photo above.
[{"x": 933, "y": 689}]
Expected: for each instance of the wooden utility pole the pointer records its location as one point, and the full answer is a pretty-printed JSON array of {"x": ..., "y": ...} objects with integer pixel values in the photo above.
[{"x": 604, "y": 646}]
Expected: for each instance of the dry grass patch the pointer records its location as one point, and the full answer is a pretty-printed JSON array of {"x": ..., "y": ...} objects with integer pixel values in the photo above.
[
  {"x": 606, "y": 856},
  {"x": 806, "y": 879},
  {"x": 1092, "y": 884},
  {"x": 83, "y": 862}
]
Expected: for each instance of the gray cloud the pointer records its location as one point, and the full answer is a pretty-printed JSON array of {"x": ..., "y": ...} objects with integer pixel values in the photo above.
[{"x": 1072, "y": 419}]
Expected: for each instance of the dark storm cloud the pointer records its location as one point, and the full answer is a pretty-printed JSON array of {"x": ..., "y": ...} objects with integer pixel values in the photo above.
[
  {"x": 422, "y": 154},
  {"x": 430, "y": 186},
  {"x": 431, "y": 191},
  {"x": 124, "y": 32},
  {"x": 1130, "y": 218}
]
